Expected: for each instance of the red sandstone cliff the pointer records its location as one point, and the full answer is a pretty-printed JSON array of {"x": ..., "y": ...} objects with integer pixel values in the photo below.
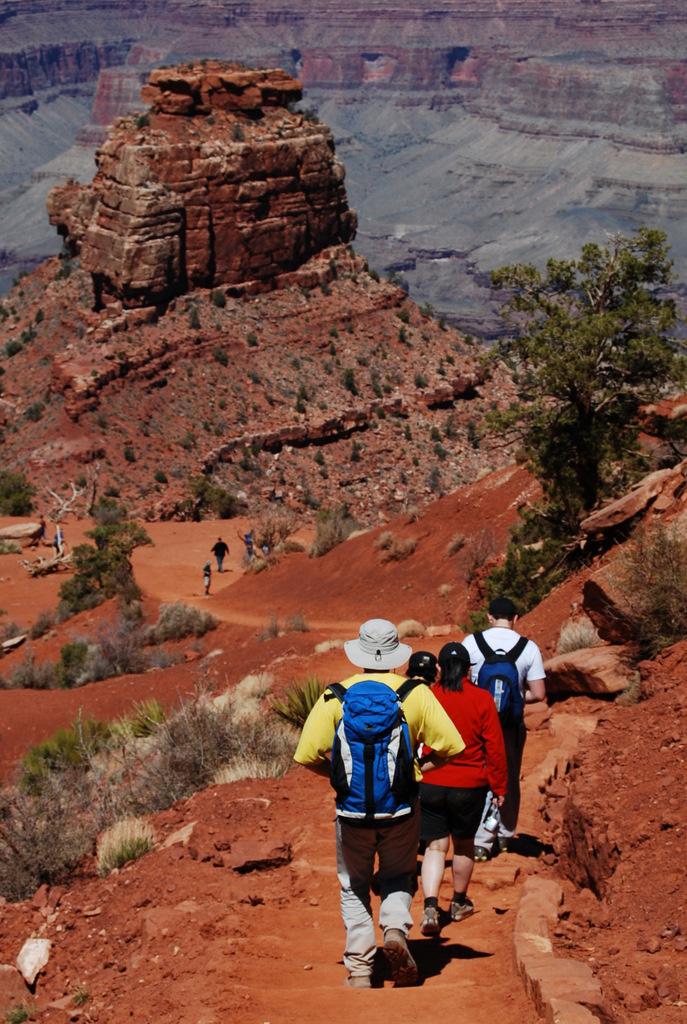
[{"x": 219, "y": 184}]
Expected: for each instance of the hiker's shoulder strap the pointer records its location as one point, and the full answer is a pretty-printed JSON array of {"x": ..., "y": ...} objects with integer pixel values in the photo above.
[
  {"x": 407, "y": 687},
  {"x": 335, "y": 690},
  {"x": 516, "y": 651},
  {"x": 484, "y": 647}
]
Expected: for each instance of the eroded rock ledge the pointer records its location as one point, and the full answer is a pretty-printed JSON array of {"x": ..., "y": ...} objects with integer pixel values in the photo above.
[{"x": 218, "y": 184}]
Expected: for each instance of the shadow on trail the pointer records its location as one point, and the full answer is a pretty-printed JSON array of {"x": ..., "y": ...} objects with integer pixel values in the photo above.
[
  {"x": 528, "y": 846},
  {"x": 432, "y": 956}
]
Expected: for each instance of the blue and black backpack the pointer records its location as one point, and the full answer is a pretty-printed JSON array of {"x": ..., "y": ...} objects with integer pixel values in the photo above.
[
  {"x": 499, "y": 675},
  {"x": 372, "y": 758}
]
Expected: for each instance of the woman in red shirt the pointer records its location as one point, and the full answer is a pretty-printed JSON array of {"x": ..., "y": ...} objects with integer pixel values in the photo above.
[{"x": 452, "y": 797}]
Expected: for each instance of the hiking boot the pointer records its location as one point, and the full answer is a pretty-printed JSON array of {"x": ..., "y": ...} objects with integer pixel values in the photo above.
[
  {"x": 503, "y": 844},
  {"x": 358, "y": 981},
  {"x": 481, "y": 853},
  {"x": 459, "y": 911},
  {"x": 395, "y": 949},
  {"x": 430, "y": 921}
]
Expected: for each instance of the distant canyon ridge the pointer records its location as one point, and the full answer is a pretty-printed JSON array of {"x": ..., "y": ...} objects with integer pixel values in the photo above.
[{"x": 473, "y": 134}]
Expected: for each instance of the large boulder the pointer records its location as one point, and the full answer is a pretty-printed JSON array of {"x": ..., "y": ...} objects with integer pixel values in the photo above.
[{"x": 589, "y": 670}]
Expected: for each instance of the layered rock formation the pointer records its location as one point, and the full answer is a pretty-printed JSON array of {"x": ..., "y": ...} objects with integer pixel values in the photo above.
[{"x": 219, "y": 184}]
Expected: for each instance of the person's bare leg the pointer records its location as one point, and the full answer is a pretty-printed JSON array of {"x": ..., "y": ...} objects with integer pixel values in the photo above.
[
  {"x": 433, "y": 864},
  {"x": 463, "y": 863}
]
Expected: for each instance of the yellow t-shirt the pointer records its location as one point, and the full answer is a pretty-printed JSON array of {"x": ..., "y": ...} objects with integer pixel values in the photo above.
[{"x": 427, "y": 722}]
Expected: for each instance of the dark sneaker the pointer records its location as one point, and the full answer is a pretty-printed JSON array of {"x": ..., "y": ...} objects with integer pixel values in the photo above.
[
  {"x": 459, "y": 911},
  {"x": 430, "y": 921},
  {"x": 395, "y": 949},
  {"x": 481, "y": 853},
  {"x": 358, "y": 981},
  {"x": 503, "y": 844}
]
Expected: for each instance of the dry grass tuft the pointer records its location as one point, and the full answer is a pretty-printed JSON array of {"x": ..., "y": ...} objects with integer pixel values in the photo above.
[
  {"x": 577, "y": 634},
  {"x": 127, "y": 840},
  {"x": 410, "y": 627}
]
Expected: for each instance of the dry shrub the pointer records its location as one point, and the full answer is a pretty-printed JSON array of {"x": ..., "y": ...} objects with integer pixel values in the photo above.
[
  {"x": 577, "y": 634},
  {"x": 651, "y": 576},
  {"x": 28, "y": 675},
  {"x": 410, "y": 627},
  {"x": 188, "y": 750},
  {"x": 177, "y": 621},
  {"x": 44, "y": 833},
  {"x": 333, "y": 527},
  {"x": 273, "y": 525},
  {"x": 270, "y": 631},
  {"x": 43, "y": 624},
  {"x": 393, "y": 548},
  {"x": 476, "y": 552},
  {"x": 328, "y": 645},
  {"x": 125, "y": 841},
  {"x": 244, "y": 700},
  {"x": 445, "y": 589},
  {"x": 456, "y": 544},
  {"x": 296, "y": 623},
  {"x": 10, "y": 547}
]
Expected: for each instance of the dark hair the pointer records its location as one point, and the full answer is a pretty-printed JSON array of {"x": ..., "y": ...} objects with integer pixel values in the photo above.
[{"x": 455, "y": 665}]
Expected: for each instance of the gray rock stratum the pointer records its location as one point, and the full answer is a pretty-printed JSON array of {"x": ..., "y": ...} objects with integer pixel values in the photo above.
[{"x": 473, "y": 133}]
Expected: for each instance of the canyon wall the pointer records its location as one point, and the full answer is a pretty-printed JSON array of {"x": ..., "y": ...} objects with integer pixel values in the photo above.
[{"x": 473, "y": 134}]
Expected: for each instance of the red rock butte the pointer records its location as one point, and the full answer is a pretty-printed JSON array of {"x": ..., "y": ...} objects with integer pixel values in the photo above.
[{"x": 219, "y": 184}]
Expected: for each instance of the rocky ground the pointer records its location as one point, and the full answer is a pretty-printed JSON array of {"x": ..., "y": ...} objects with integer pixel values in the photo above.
[{"x": 236, "y": 911}]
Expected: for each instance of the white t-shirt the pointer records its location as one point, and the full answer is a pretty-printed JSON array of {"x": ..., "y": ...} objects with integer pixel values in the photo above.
[{"x": 529, "y": 665}]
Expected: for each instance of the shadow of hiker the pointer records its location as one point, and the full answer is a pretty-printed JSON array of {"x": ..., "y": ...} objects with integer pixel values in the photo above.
[
  {"x": 528, "y": 846},
  {"x": 431, "y": 956}
]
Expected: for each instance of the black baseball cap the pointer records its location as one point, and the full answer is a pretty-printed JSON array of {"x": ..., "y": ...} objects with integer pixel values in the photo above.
[
  {"x": 453, "y": 650},
  {"x": 503, "y": 608},
  {"x": 422, "y": 663}
]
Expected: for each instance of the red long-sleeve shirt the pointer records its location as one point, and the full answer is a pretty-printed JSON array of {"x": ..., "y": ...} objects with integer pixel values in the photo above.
[{"x": 483, "y": 762}]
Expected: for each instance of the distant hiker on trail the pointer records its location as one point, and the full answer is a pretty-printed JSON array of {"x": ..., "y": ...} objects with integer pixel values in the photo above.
[
  {"x": 207, "y": 574},
  {"x": 452, "y": 797},
  {"x": 247, "y": 540},
  {"x": 495, "y": 654},
  {"x": 375, "y": 719},
  {"x": 423, "y": 665},
  {"x": 58, "y": 541},
  {"x": 220, "y": 551}
]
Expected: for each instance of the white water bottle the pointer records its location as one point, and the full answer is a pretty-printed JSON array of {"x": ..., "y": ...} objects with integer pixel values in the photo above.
[{"x": 492, "y": 820}]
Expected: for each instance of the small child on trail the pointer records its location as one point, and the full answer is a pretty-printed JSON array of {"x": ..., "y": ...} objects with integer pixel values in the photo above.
[{"x": 207, "y": 573}]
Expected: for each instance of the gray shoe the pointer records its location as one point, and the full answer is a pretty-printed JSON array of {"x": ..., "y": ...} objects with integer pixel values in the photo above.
[
  {"x": 430, "y": 921},
  {"x": 459, "y": 911},
  {"x": 395, "y": 949},
  {"x": 358, "y": 981},
  {"x": 481, "y": 853}
]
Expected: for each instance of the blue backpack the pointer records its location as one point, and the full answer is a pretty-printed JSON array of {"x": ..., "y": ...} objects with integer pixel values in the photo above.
[
  {"x": 372, "y": 759},
  {"x": 499, "y": 675}
]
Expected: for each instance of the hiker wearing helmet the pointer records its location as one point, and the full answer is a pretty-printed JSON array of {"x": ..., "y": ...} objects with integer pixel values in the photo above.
[{"x": 371, "y": 725}]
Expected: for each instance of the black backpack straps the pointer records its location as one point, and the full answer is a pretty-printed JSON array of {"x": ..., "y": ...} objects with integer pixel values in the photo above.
[
  {"x": 516, "y": 651},
  {"x": 407, "y": 687},
  {"x": 335, "y": 690},
  {"x": 484, "y": 647}
]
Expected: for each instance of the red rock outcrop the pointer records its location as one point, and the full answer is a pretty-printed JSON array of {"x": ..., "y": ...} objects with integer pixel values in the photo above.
[{"x": 218, "y": 185}]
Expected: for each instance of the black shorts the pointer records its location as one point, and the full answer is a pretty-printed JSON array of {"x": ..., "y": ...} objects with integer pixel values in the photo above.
[{"x": 450, "y": 811}]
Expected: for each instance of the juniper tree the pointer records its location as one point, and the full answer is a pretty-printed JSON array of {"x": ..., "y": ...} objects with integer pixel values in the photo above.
[{"x": 590, "y": 341}]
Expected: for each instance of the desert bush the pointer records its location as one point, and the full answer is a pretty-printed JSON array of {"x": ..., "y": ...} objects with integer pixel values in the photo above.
[
  {"x": 652, "y": 579},
  {"x": 298, "y": 701},
  {"x": 10, "y": 547},
  {"x": 117, "y": 650},
  {"x": 410, "y": 627},
  {"x": 393, "y": 548},
  {"x": 125, "y": 841},
  {"x": 143, "y": 719},
  {"x": 43, "y": 624},
  {"x": 273, "y": 525},
  {"x": 296, "y": 623},
  {"x": 66, "y": 750},
  {"x": 177, "y": 621},
  {"x": 160, "y": 658},
  {"x": 15, "y": 494},
  {"x": 31, "y": 676},
  {"x": 332, "y": 527},
  {"x": 456, "y": 544},
  {"x": 19, "y": 1013},
  {"x": 270, "y": 631},
  {"x": 193, "y": 744},
  {"x": 43, "y": 833},
  {"x": 577, "y": 634},
  {"x": 105, "y": 570},
  {"x": 71, "y": 668},
  {"x": 9, "y": 629},
  {"x": 478, "y": 549}
]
